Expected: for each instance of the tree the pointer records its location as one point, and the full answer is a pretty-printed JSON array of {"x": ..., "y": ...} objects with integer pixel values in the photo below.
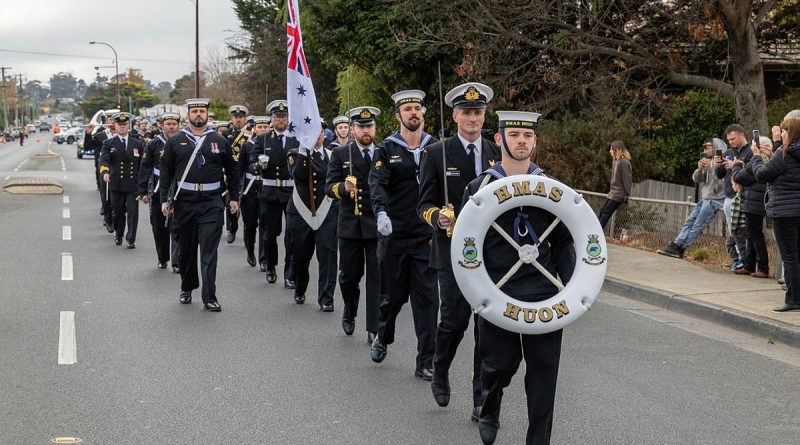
[
  {"x": 548, "y": 55},
  {"x": 102, "y": 98},
  {"x": 63, "y": 85}
]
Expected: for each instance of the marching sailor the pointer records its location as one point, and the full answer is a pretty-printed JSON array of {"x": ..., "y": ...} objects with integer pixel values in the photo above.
[
  {"x": 251, "y": 182},
  {"x": 404, "y": 245},
  {"x": 347, "y": 178},
  {"x": 341, "y": 132},
  {"x": 194, "y": 164},
  {"x": 237, "y": 135},
  {"x": 276, "y": 188},
  {"x": 100, "y": 135},
  {"x": 467, "y": 155},
  {"x": 119, "y": 164},
  {"x": 149, "y": 176},
  {"x": 312, "y": 222},
  {"x": 501, "y": 350}
]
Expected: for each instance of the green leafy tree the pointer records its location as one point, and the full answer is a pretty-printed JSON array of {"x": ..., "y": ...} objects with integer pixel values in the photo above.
[{"x": 103, "y": 98}]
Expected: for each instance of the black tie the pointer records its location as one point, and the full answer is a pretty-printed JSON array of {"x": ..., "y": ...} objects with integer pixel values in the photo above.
[
  {"x": 280, "y": 138},
  {"x": 366, "y": 156},
  {"x": 317, "y": 156},
  {"x": 471, "y": 157}
]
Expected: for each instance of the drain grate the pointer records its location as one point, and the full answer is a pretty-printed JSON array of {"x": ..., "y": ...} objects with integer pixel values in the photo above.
[{"x": 25, "y": 186}]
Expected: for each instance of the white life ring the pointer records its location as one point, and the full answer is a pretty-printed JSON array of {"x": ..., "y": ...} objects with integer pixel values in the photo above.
[{"x": 477, "y": 217}]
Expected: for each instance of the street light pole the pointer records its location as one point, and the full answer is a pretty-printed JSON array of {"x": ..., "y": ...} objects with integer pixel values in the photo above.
[{"x": 116, "y": 65}]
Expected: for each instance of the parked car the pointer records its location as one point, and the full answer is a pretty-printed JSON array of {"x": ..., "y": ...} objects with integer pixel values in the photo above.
[
  {"x": 69, "y": 136},
  {"x": 44, "y": 126},
  {"x": 30, "y": 128}
]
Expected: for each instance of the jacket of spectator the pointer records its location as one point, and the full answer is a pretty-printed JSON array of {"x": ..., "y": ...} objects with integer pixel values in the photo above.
[
  {"x": 712, "y": 187},
  {"x": 752, "y": 191},
  {"x": 725, "y": 174},
  {"x": 621, "y": 180},
  {"x": 783, "y": 178}
]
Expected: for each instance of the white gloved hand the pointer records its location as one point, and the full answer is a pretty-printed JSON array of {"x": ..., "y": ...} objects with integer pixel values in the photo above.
[
  {"x": 384, "y": 224},
  {"x": 303, "y": 151},
  {"x": 263, "y": 160}
]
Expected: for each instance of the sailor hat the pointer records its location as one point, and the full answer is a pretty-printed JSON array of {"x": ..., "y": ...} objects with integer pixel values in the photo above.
[{"x": 469, "y": 95}]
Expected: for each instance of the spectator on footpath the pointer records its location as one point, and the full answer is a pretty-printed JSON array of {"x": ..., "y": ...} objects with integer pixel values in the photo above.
[
  {"x": 781, "y": 172},
  {"x": 621, "y": 181},
  {"x": 756, "y": 260},
  {"x": 738, "y": 227},
  {"x": 704, "y": 211},
  {"x": 724, "y": 171}
]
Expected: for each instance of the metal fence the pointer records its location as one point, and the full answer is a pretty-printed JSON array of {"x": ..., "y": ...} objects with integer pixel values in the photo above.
[{"x": 651, "y": 224}]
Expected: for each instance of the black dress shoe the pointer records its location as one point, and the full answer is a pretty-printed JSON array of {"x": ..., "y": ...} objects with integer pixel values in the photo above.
[
  {"x": 176, "y": 269},
  {"x": 118, "y": 240},
  {"x": 186, "y": 297},
  {"x": 326, "y": 307},
  {"x": 440, "y": 387},
  {"x": 288, "y": 284},
  {"x": 213, "y": 306},
  {"x": 299, "y": 299},
  {"x": 262, "y": 267},
  {"x": 271, "y": 276},
  {"x": 424, "y": 373},
  {"x": 349, "y": 326},
  {"x": 371, "y": 337},
  {"x": 251, "y": 260},
  {"x": 131, "y": 245},
  {"x": 231, "y": 238},
  {"x": 487, "y": 427},
  {"x": 109, "y": 228},
  {"x": 787, "y": 308},
  {"x": 162, "y": 265},
  {"x": 378, "y": 350},
  {"x": 476, "y": 414}
]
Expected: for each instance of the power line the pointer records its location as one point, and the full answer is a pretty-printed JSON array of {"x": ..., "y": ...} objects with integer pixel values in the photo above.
[{"x": 78, "y": 56}]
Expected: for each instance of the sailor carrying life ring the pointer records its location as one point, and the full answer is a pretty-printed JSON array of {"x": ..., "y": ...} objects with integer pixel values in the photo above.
[{"x": 485, "y": 296}]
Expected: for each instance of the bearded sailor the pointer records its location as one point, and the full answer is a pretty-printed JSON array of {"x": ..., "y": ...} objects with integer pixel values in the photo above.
[{"x": 404, "y": 243}]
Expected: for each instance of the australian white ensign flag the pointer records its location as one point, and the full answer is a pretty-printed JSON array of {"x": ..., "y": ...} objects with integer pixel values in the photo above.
[{"x": 304, "y": 120}]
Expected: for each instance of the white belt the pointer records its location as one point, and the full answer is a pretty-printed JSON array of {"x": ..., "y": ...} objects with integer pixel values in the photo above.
[
  {"x": 251, "y": 176},
  {"x": 279, "y": 182},
  {"x": 157, "y": 172},
  {"x": 201, "y": 187}
]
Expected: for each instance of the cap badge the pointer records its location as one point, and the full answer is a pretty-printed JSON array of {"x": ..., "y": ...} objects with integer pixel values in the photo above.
[
  {"x": 471, "y": 94},
  {"x": 365, "y": 114}
]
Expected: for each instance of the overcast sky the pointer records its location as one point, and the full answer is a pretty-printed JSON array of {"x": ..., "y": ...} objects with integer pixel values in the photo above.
[{"x": 140, "y": 29}]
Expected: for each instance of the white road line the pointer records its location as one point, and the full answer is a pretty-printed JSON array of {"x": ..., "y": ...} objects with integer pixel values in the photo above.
[
  {"x": 7, "y": 178},
  {"x": 66, "y": 199},
  {"x": 66, "y": 267},
  {"x": 67, "y": 344},
  {"x": 65, "y": 213},
  {"x": 66, "y": 233}
]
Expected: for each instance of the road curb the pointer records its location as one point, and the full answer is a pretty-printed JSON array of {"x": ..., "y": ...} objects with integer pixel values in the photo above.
[{"x": 752, "y": 324}]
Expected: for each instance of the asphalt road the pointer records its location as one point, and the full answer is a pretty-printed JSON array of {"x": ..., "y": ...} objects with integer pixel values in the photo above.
[{"x": 266, "y": 370}]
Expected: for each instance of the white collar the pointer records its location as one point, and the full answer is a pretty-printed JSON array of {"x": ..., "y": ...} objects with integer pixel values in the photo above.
[
  {"x": 278, "y": 133},
  {"x": 478, "y": 143},
  {"x": 371, "y": 147}
]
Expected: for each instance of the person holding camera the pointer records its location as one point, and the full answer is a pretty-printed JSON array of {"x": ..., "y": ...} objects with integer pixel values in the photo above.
[
  {"x": 704, "y": 211},
  {"x": 756, "y": 261},
  {"x": 781, "y": 172}
]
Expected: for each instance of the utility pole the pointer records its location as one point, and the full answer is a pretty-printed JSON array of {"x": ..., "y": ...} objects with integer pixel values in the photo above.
[{"x": 5, "y": 104}]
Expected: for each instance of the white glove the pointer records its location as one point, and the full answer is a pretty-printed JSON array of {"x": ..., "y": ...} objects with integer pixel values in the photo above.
[
  {"x": 384, "y": 224},
  {"x": 303, "y": 151},
  {"x": 263, "y": 160}
]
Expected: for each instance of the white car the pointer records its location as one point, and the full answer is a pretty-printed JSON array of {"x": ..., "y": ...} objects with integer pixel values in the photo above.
[{"x": 69, "y": 136}]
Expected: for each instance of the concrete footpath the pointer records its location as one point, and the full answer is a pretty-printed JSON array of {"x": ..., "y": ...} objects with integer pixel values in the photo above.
[{"x": 739, "y": 302}]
